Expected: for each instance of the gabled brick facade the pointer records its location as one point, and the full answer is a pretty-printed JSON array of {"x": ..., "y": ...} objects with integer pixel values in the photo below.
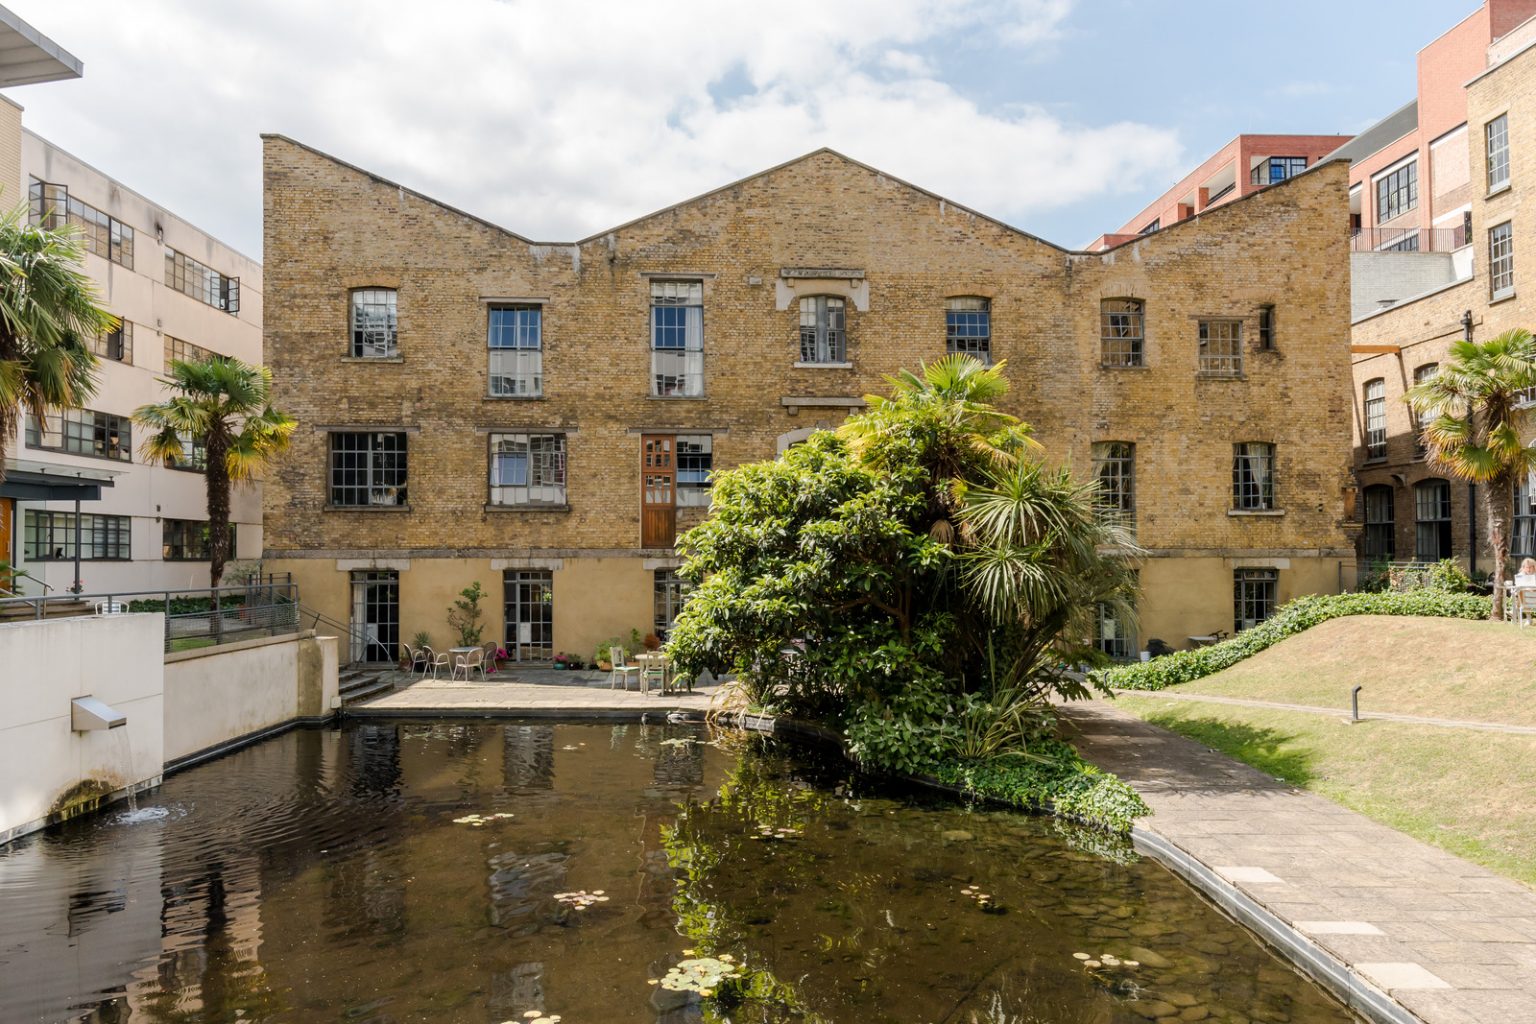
[{"x": 819, "y": 225}]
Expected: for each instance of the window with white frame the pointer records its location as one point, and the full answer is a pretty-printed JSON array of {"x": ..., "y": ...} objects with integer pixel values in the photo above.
[
  {"x": 1380, "y": 524},
  {"x": 669, "y": 591},
  {"x": 375, "y": 324},
  {"x": 1221, "y": 348},
  {"x": 1497, "y": 134},
  {"x": 367, "y": 469},
  {"x": 1397, "y": 192},
  {"x": 1421, "y": 374},
  {"x": 1432, "y": 520},
  {"x": 1114, "y": 467},
  {"x": 515, "y": 337},
  {"x": 1113, "y": 635},
  {"x": 695, "y": 455},
  {"x": 1253, "y": 596},
  {"x": 1122, "y": 332},
  {"x": 1253, "y": 476},
  {"x": 1376, "y": 419},
  {"x": 1501, "y": 261},
  {"x": 968, "y": 327},
  {"x": 677, "y": 339},
  {"x": 527, "y": 469},
  {"x": 823, "y": 329},
  {"x": 1523, "y": 542}
]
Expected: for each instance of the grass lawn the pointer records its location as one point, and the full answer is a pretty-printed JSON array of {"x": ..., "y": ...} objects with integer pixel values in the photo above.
[
  {"x": 1446, "y": 668},
  {"x": 190, "y": 643},
  {"x": 1466, "y": 792}
]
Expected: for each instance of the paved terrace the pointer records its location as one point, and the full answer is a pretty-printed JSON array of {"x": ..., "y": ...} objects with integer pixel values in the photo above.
[
  {"x": 531, "y": 692},
  {"x": 1450, "y": 941}
]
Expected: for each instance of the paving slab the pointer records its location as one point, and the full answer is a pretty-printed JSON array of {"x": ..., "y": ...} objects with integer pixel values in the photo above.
[
  {"x": 512, "y": 692},
  {"x": 1446, "y": 940}
]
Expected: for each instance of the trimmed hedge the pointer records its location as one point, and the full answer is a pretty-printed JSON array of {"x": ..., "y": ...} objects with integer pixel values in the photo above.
[
  {"x": 1302, "y": 613},
  {"x": 1063, "y": 782}
]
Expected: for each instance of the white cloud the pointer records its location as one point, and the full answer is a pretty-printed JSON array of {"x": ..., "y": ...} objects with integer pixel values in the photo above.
[{"x": 561, "y": 119}]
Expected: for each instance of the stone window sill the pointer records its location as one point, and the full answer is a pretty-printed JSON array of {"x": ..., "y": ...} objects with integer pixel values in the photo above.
[
  {"x": 526, "y": 508},
  {"x": 1124, "y": 366},
  {"x": 513, "y": 398},
  {"x": 366, "y": 508},
  {"x": 1501, "y": 297},
  {"x": 373, "y": 359},
  {"x": 1256, "y": 513},
  {"x": 1209, "y": 375},
  {"x": 677, "y": 398},
  {"x": 823, "y": 366},
  {"x": 1500, "y": 190}
]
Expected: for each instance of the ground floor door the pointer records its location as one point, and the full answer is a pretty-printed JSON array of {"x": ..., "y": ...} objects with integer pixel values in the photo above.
[
  {"x": 375, "y": 627},
  {"x": 530, "y": 614}
]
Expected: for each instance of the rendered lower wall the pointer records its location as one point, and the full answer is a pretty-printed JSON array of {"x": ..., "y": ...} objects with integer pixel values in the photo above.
[
  {"x": 214, "y": 696},
  {"x": 44, "y": 665}
]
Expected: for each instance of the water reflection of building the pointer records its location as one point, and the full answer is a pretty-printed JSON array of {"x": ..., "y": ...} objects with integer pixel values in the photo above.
[{"x": 528, "y": 753}]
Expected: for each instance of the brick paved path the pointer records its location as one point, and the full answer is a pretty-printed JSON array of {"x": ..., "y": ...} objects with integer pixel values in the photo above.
[{"x": 1448, "y": 940}]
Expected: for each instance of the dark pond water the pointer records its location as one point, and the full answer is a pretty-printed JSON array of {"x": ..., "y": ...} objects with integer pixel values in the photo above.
[{"x": 322, "y": 876}]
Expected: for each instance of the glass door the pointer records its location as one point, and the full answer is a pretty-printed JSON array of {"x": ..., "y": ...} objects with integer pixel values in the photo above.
[
  {"x": 375, "y": 631},
  {"x": 530, "y": 608}
]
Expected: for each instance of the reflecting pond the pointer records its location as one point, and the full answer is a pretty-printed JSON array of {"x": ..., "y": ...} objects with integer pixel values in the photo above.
[{"x": 575, "y": 873}]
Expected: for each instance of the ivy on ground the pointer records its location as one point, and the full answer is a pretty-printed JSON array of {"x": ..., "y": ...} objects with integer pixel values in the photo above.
[{"x": 1302, "y": 613}]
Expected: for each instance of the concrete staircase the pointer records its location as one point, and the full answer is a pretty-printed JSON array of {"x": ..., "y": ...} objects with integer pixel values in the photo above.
[
  {"x": 53, "y": 608},
  {"x": 359, "y": 681}
]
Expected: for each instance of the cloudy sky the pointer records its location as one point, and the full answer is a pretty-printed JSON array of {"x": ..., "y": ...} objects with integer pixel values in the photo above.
[{"x": 559, "y": 118}]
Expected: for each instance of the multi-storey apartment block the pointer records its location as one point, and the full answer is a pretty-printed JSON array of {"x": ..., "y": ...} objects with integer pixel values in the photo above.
[
  {"x": 545, "y": 418},
  {"x": 180, "y": 294},
  {"x": 1409, "y": 510}
]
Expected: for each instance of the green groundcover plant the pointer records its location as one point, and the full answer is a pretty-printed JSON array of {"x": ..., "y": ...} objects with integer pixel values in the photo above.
[{"x": 1302, "y": 613}]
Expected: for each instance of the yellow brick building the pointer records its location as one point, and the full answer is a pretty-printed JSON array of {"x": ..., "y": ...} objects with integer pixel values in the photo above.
[{"x": 541, "y": 418}]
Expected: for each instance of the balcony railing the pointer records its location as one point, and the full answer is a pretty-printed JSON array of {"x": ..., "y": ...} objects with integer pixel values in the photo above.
[{"x": 1408, "y": 239}]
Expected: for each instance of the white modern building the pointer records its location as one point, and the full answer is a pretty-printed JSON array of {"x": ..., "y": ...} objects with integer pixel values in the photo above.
[{"x": 180, "y": 293}]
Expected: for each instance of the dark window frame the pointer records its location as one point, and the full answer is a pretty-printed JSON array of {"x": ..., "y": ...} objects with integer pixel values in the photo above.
[
  {"x": 110, "y": 534},
  {"x": 378, "y": 465}
]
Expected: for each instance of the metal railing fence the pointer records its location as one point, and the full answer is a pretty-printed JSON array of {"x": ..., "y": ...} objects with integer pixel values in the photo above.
[{"x": 262, "y": 605}]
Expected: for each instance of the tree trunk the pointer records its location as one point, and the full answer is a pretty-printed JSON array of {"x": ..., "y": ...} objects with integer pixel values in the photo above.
[
  {"x": 217, "y": 479},
  {"x": 1498, "y": 503}
]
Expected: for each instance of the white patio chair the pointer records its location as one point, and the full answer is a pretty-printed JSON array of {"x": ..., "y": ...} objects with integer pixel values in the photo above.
[
  {"x": 622, "y": 670},
  {"x": 1525, "y": 605},
  {"x": 491, "y": 648},
  {"x": 110, "y": 607},
  {"x": 475, "y": 660},
  {"x": 416, "y": 656},
  {"x": 435, "y": 661}
]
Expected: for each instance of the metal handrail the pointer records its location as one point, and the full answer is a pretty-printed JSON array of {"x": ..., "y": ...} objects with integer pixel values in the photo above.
[
  {"x": 352, "y": 633},
  {"x": 264, "y": 604}
]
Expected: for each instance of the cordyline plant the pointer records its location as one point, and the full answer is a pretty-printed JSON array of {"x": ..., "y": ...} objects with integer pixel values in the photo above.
[{"x": 1472, "y": 429}]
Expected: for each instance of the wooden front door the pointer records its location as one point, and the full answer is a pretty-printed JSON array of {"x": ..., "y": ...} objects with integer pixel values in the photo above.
[{"x": 658, "y": 491}]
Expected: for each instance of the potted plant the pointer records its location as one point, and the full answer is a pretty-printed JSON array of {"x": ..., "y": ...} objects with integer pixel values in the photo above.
[
  {"x": 465, "y": 615},
  {"x": 652, "y": 642},
  {"x": 603, "y": 656}
]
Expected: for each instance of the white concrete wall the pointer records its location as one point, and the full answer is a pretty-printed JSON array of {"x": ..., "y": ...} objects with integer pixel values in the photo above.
[
  {"x": 1397, "y": 276},
  {"x": 215, "y": 695},
  {"x": 43, "y": 665}
]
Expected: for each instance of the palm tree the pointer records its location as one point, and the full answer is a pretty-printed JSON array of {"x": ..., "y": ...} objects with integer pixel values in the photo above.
[
  {"x": 48, "y": 314},
  {"x": 1473, "y": 429},
  {"x": 943, "y": 419},
  {"x": 221, "y": 405}
]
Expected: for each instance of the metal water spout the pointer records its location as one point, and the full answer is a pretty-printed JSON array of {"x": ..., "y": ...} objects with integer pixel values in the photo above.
[{"x": 87, "y": 713}]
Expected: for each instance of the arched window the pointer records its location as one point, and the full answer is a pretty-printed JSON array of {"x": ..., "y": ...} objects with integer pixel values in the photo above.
[
  {"x": 1432, "y": 520},
  {"x": 1380, "y": 526},
  {"x": 1122, "y": 332},
  {"x": 375, "y": 327},
  {"x": 968, "y": 327},
  {"x": 1376, "y": 419},
  {"x": 1420, "y": 375}
]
